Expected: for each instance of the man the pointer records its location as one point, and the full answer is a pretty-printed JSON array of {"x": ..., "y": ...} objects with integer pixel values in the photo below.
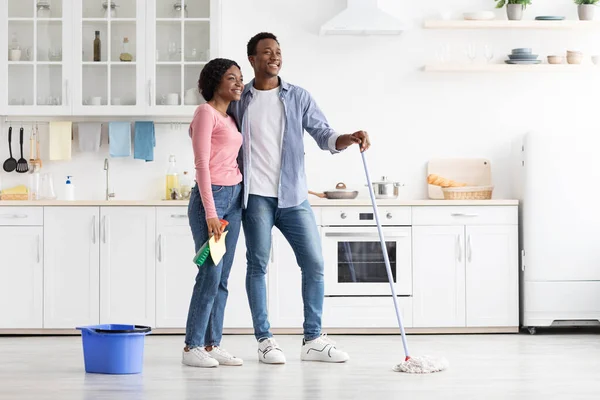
[{"x": 272, "y": 116}]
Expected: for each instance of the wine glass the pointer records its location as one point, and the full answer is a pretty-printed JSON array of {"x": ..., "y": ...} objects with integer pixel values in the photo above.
[
  {"x": 471, "y": 52},
  {"x": 488, "y": 52}
]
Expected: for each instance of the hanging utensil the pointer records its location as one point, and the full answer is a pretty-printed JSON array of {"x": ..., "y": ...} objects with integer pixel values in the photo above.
[
  {"x": 38, "y": 160},
  {"x": 22, "y": 166},
  {"x": 10, "y": 164},
  {"x": 32, "y": 149}
]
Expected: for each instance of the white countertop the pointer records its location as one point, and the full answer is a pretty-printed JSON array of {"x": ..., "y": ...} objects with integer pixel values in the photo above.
[{"x": 314, "y": 202}]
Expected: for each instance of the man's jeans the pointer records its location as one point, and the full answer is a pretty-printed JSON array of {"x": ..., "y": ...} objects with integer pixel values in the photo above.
[
  {"x": 207, "y": 307},
  {"x": 299, "y": 227}
]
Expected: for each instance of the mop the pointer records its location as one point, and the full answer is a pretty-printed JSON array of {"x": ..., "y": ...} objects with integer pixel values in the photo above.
[{"x": 411, "y": 365}]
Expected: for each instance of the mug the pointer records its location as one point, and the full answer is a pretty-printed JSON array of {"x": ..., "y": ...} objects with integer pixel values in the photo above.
[
  {"x": 96, "y": 101},
  {"x": 171, "y": 99}
]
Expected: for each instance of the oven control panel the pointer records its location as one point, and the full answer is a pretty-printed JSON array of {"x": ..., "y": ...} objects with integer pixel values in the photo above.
[{"x": 365, "y": 216}]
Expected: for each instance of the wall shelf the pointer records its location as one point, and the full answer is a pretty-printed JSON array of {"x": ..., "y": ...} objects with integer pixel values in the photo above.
[
  {"x": 506, "y": 24},
  {"x": 511, "y": 68}
]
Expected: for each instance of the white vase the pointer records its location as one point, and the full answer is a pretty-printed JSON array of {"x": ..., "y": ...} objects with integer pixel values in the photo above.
[
  {"x": 514, "y": 12},
  {"x": 586, "y": 12}
]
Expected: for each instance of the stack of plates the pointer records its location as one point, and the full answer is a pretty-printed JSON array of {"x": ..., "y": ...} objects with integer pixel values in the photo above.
[
  {"x": 522, "y": 56},
  {"x": 549, "y": 18}
]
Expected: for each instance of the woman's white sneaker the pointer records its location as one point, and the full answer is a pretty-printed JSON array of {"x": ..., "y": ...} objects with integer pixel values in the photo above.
[
  {"x": 322, "y": 349},
  {"x": 198, "y": 357},
  {"x": 269, "y": 352},
  {"x": 224, "y": 358}
]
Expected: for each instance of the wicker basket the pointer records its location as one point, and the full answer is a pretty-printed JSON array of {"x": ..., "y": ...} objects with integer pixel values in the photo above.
[
  {"x": 14, "y": 197},
  {"x": 468, "y": 193}
]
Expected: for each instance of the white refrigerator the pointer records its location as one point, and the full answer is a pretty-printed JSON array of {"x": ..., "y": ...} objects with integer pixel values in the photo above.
[{"x": 557, "y": 179}]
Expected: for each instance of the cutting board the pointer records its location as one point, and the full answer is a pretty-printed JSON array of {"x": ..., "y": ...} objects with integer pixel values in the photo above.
[{"x": 472, "y": 171}]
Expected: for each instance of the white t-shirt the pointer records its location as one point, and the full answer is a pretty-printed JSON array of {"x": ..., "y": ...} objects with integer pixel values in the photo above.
[{"x": 266, "y": 116}]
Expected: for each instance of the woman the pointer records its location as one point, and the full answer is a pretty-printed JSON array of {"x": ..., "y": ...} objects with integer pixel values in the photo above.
[{"x": 216, "y": 195}]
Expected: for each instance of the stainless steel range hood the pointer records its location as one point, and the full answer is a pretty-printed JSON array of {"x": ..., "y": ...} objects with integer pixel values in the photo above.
[{"x": 362, "y": 17}]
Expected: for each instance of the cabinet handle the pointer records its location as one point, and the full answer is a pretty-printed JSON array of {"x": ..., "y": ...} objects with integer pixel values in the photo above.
[
  {"x": 67, "y": 94},
  {"x": 160, "y": 257},
  {"x": 104, "y": 228},
  {"x": 13, "y": 216},
  {"x": 94, "y": 229},
  {"x": 459, "y": 248},
  {"x": 38, "y": 248},
  {"x": 464, "y": 215},
  {"x": 469, "y": 250},
  {"x": 149, "y": 92},
  {"x": 178, "y": 216}
]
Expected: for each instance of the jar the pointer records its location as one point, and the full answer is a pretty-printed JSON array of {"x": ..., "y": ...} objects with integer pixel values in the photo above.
[
  {"x": 113, "y": 9},
  {"x": 43, "y": 9},
  {"x": 177, "y": 10}
]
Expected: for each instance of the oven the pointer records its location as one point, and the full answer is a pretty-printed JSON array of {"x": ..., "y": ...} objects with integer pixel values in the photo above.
[{"x": 354, "y": 262}]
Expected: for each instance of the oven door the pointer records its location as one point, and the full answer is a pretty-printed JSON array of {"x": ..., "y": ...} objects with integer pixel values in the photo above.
[{"x": 354, "y": 263}]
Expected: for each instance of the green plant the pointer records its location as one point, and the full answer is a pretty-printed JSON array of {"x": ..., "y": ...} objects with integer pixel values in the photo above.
[
  {"x": 524, "y": 3},
  {"x": 583, "y": 2}
]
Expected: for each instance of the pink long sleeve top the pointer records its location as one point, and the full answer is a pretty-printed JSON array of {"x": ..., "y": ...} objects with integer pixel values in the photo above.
[{"x": 216, "y": 142}]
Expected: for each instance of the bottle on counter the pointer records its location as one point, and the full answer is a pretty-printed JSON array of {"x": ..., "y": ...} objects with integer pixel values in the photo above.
[
  {"x": 97, "y": 47},
  {"x": 172, "y": 180},
  {"x": 69, "y": 189}
]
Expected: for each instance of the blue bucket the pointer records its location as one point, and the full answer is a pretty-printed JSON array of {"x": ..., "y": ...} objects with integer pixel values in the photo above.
[{"x": 113, "y": 349}]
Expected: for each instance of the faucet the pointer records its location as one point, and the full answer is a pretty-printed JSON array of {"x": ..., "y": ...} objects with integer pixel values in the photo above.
[{"x": 106, "y": 168}]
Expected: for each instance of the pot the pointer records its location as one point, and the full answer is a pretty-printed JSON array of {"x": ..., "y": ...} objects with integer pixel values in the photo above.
[
  {"x": 340, "y": 193},
  {"x": 386, "y": 189},
  {"x": 586, "y": 12},
  {"x": 514, "y": 12}
]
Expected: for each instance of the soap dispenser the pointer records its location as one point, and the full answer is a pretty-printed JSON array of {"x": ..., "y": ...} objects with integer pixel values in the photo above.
[{"x": 69, "y": 189}]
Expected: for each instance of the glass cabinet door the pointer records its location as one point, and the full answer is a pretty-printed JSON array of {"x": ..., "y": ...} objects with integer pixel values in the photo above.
[
  {"x": 110, "y": 46},
  {"x": 184, "y": 41},
  {"x": 38, "y": 63}
]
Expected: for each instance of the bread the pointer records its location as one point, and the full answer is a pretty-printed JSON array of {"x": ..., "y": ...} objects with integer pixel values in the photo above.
[{"x": 437, "y": 180}]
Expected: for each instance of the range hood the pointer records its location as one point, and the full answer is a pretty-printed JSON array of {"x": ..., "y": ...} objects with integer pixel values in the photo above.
[{"x": 362, "y": 17}]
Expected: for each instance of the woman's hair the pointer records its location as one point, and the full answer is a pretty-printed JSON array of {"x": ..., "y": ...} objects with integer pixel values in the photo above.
[{"x": 211, "y": 76}]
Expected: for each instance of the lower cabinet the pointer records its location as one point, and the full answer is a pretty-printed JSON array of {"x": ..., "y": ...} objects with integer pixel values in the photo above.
[
  {"x": 71, "y": 267},
  {"x": 21, "y": 277}
]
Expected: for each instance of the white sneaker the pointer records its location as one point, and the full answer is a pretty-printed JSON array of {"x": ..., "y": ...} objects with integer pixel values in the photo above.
[
  {"x": 224, "y": 358},
  {"x": 269, "y": 352},
  {"x": 198, "y": 357},
  {"x": 322, "y": 349}
]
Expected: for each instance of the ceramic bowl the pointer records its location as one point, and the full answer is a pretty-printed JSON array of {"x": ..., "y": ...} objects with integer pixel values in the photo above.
[
  {"x": 574, "y": 53},
  {"x": 574, "y": 59},
  {"x": 522, "y": 50},
  {"x": 523, "y": 56},
  {"x": 596, "y": 60},
  {"x": 556, "y": 59}
]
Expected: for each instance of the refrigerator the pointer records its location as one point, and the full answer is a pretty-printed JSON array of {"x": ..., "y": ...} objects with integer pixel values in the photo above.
[{"x": 557, "y": 180}]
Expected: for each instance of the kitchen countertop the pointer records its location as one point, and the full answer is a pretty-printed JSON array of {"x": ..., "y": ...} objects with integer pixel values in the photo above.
[{"x": 314, "y": 202}]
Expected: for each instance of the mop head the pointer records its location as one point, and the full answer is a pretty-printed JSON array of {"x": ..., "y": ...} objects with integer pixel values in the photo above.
[{"x": 422, "y": 365}]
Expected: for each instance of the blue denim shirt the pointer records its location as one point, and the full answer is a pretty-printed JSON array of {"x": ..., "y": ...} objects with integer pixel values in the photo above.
[{"x": 301, "y": 113}]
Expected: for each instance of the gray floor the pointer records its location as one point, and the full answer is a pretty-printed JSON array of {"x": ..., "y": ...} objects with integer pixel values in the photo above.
[{"x": 550, "y": 366}]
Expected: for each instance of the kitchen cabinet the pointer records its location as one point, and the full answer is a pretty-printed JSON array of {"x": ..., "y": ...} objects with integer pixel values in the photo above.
[
  {"x": 176, "y": 274},
  {"x": 127, "y": 266},
  {"x": 175, "y": 271},
  {"x": 71, "y": 267},
  {"x": 37, "y": 61},
  {"x": 286, "y": 309},
  {"x": 439, "y": 276},
  {"x": 492, "y": 288},
  {"x": 53, "y": 71},
  {"x": 21, "y": 275}
]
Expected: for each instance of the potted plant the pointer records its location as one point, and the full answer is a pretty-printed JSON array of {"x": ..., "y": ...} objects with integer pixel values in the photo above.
[
  {"x": 514, "y": 8},
  {"x": 585, "y": 9}
]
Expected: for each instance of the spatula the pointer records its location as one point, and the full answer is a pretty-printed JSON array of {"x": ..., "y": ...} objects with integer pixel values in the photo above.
[
  {"x": 22, "y": 166},
  {"x": 10, "y": 164}
]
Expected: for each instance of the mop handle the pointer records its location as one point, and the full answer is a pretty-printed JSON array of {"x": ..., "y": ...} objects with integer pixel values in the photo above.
[{"x": 385, "y": 256}]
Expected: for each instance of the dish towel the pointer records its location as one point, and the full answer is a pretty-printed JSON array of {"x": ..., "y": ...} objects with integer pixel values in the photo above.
[
  {"x": 60, "y": 140},
  {"x": 119, "y": 138},
  {"x": 90, "y": 134},
  {"x": 144, "y": 141}
]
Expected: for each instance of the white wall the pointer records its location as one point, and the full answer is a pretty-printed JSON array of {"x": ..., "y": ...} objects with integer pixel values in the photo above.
[{"x": 377, "y": 84}]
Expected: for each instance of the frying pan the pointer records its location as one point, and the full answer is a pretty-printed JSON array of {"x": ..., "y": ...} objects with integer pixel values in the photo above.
[{"x": 340, "y": 193}]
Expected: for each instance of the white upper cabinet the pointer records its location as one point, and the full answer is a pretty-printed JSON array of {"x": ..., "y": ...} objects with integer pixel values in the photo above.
[
  {"x": 109, "y": 81},
  {"x": 182, "y": 37},
  {"x": 37, "y": 57},
  {"x": 150, "y": 58}
]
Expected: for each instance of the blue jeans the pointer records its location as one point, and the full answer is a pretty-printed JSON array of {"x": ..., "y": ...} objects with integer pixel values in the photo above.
[
  {"x": 207, "y": 307},
  {"x": 299, "y": 227}
]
